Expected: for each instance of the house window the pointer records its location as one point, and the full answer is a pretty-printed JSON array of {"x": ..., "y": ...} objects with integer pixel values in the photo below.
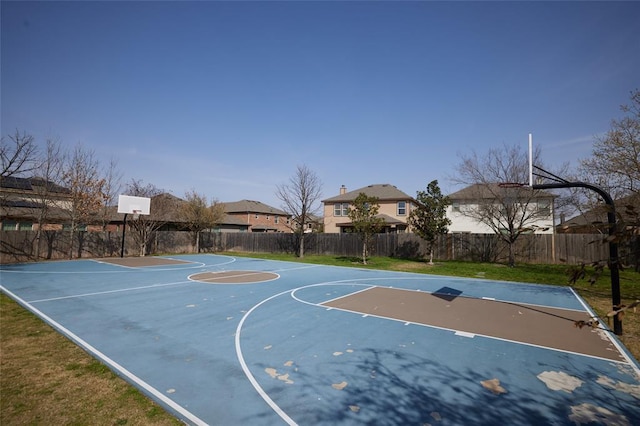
[
  {"x": 276, "y": 219},
  {"x": 268, "y": 217},
  {"x": 9, "y": 225},
  {"x": 341, "y": 209},
  {"x": 257, "y": 216},
  {"x": 455, "y": 206},
  {"x": 544, "y": 207},
  {"x": 25, "y": 226},
  {"x": 402, "y": 208}
]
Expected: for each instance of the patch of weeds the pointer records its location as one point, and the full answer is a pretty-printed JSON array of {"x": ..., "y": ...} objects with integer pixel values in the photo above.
[
  {"x": 74, "y": 366},
  {"x": 97, "y": 368},
  {"x": 155, "y": 412}
]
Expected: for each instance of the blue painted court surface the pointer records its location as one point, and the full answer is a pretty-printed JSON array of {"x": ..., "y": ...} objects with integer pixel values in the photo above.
[{"x": 236, "y": 341}]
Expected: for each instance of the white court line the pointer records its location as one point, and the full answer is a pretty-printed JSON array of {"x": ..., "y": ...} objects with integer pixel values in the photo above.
[
  {"x": 175, "y": 266},
  {"x": 246, "y": 370},
  {"x": 125, "y": 268},
  {"x": 297, "y": 268},
  {"x": 211, "y": 280},
  {"x": 614, "y": 341},
  {"x": 111, "y": 363},
  {"x": 347, "y": 295},
  {"x": 435, "y": 293},
  {"x": 98, "y": 293}
]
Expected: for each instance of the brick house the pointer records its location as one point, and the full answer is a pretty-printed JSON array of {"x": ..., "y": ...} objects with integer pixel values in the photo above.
[
  {"x": 22, "y": 199},
  {"x": 260, "y": 217}
]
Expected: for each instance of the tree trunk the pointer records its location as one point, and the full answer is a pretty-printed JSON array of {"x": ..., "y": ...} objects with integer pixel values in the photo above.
[
  {"x": 38, "y": 235},
  {"x": 71, "y": 235},
  {"x": 512, "y": 258},
  {"x": 431, "y": 256},
  {"x": 364, "y": 253},
  {"x": 301, "y": 250}
]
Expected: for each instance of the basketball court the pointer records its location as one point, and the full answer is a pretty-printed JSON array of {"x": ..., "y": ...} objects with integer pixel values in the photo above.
[{"x": 228, "y": 341}]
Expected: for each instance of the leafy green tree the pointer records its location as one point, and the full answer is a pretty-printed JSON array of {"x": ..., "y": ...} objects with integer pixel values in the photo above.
[
  {"x": 429, "y": 218},
  {"x": 365, "y": 220}
]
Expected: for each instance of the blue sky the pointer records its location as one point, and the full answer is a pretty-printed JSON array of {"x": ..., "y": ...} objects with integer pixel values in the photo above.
[{"x": 227, "y": 98}]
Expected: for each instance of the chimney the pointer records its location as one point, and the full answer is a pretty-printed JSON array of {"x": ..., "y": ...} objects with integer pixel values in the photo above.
[{"x": 343, "y": 190}]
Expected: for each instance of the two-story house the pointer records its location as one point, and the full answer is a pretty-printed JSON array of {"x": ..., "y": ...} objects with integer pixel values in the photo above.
[
  {"x": 259, "y": 216},
  {"x": 395, "y": 207},
  {"x": 533, "y": 209}
]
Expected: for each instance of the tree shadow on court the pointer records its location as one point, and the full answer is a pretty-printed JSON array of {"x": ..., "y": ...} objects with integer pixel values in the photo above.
[{"x": 385, "y": 387}]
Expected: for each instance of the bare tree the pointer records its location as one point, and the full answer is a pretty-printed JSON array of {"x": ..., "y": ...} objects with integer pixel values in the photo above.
[
  {"x": 162, "y": 206},
  {"x": 112, "y": 185},
  {"x": 299, "y": 199},
  {"x": 18, "y": 153},
  {"x": 81, "y": 176},
  {"x": 614, "y": 164},
  {"x": 366, "y": 222},
  {"x": 508, "y": 212},
  {"x": 45, "y": 185},
  {"x": 199, "y": 215}
]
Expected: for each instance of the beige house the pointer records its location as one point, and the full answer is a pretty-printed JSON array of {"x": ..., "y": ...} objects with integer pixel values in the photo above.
[{"x": 395, "y": 207}]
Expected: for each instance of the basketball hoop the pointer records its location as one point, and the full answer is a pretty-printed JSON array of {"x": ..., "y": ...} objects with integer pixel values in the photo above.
[{"x": 136, "y": 214}]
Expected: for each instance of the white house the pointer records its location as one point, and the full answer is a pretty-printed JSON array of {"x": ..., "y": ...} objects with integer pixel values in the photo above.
[{"x": 532, "y": 209}]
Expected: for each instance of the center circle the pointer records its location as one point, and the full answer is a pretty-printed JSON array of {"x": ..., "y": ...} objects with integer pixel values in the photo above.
[{"x": 234, "y": 277}]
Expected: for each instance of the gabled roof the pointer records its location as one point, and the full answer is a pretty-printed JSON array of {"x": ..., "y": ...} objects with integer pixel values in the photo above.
[
  {"x": 234, "y": 220},
  {"x": 250, "y": 206},
  {"x": 626, "y": 207},
  {"x": 384, "y": 192},
  {"x": 28, "y": 184},
  {"x": 480, "y": 191}
]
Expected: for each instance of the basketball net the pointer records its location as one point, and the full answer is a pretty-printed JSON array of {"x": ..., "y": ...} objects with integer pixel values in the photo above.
[{"x": 136, "y": 214}]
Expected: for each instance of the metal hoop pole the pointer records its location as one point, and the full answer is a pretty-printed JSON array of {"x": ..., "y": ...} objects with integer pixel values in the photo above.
[
  {"x": 613, "y": 245},
  {"x": 124, "y": 227}
]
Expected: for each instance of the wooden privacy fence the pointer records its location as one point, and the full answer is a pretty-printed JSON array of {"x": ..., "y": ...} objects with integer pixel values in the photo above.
[{"x": 21, "y": 246}]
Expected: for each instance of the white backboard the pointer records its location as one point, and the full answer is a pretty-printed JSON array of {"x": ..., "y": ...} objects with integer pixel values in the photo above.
[{"x": 133, "y": 205}]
